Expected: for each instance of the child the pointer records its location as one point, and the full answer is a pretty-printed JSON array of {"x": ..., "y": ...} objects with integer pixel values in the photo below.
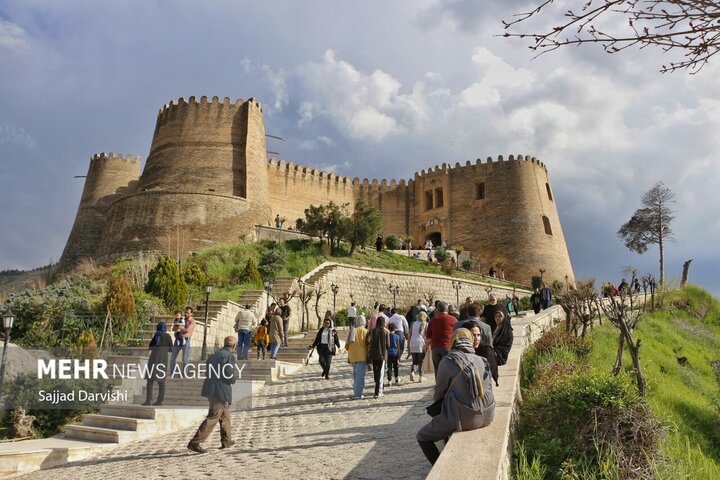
[
  {"x": 262, "y": 339},
  {"x": 179, "y": 323},
  {"x": 393, "y": 353}
]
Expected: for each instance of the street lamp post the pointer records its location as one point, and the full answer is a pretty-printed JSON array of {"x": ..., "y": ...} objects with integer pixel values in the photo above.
[
  {"x": 301, "y": 282},
  {"x": 457, "y": 286},
  {"x": 394, "y": 289},
  {"x": 335, "y": 289},
  {"x": 8, "y": 320},
  {"x": 268, "y": 290},
  {"x": 208, "y": 290}
]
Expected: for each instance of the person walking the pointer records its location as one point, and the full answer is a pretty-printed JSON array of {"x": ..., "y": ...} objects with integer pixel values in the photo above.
[
  {"x": 502, "y": 338},
  {"x": 285, "y": 312},
  {"x": 402, "y": 330},
  {"x": 439, "y": 333},
  {"x": 160, "y": 346},
  {"x": 221, "y": 374},
  {"x": 489, "y": 311},
  {"x": 378, "y": 341},
  {"x": 394, "y": 353},
  {"x": 464, "y": 385},
  {"x": 244, "y": 322},
  {"x": 546, "y": 294},
  {"x": 416, "y": 345},
  {"x": 275, "y": 331},
  {"x": 327, "y": 343},
  {"x": 536, "y": 301},
  {"x": 358, "y": 356}
]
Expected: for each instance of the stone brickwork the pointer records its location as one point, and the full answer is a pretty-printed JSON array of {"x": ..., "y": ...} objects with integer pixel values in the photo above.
[
  {"x": 365, "y": 286},
  {"x": 207, "y": 176}
]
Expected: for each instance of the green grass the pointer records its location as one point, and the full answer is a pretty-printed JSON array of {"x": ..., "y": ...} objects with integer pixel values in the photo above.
[
  {"x": 681, "y": 396},
  {"x": 222, "y": 263}
]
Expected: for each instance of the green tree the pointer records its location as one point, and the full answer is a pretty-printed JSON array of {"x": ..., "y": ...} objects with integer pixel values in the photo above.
[
  {"x": 272, "y": 262},
  {"x": 441, "y": 254},
  {"x": 362, "y": 226},
  {"x": 650, "y": 224},
  {"x": 325, "y": 222},
  {"x": 164, "y": 282},
  {"x": 251, "y": 274},
  {"x": 193, "y": 275}
]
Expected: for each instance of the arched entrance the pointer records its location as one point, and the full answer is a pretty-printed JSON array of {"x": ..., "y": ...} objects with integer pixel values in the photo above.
[{"x": 435, "y": 237}]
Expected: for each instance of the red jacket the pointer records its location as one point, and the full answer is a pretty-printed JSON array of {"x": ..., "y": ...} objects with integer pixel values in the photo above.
[{"x": 440, "y": 329}]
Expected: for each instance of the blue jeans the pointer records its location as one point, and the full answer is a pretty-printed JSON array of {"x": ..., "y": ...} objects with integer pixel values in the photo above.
[
  {"x": 401, "y": 344},
  {"x": 274, "y": 347},
  {"x": 358, "y": 378},
  {"x": 243, "y": 346},
  {"x": 185, "y": 355}
]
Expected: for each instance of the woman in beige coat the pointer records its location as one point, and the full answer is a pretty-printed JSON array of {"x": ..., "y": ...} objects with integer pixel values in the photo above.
[{"x": 275, "y": 330}]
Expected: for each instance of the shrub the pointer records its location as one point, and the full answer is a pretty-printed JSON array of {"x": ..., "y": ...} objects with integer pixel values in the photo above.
[
  {"x": 557, "y": 338},
  {"x": 393, "y": 242},
  {"x": 165, "y": 283},
  {"x": 536, "y": 282},
  {"x": 447, "y": 266},
  {"x": 119, "y": 300},
  {"x": 24, "y": 392},
  {"x": 193, "y": 275},
  {"x": 467, "y": 265},
  {"x": 251, "y": 274},
  {"x": 566, "y": 419},
  {"x": 441, "y": 254}
]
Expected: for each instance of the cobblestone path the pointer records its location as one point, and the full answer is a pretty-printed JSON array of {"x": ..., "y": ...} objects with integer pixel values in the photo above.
[{"x": 301, "y": 427}]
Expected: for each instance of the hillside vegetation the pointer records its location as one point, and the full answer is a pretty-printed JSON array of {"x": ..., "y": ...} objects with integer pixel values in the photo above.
[{"x": 580, "y": 421}]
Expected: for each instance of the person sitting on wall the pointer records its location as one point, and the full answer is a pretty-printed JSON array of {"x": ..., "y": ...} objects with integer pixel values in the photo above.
[{"x": 464, "y": 386}]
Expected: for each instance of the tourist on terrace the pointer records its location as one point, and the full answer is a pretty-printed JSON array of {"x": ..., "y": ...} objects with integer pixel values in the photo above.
[
  {"x": 327, "y": 343},
  {"x": 464, "y": 385},
  {"x": 472, "y": 312},
  {"x": 483, "y": 349},
  {"x": 488, "y": 313}
]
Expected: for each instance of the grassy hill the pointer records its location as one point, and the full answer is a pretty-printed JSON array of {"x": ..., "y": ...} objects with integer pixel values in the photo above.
[{"x": 680, "y": 357}]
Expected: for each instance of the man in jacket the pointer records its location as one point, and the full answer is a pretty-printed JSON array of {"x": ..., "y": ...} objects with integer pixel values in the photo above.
[
  {"x": 217, "y": 387},
  {"x": 439, "y": 333}
]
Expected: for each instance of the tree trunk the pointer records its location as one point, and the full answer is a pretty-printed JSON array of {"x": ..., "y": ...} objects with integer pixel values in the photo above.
[
  {"x": 686, "y": 271},
  {"x": 662, "y": 260},
  {"x": 619, "y": 355},
  {"x": 567, "y": 320},
  {"x": 635, "y": 355}
]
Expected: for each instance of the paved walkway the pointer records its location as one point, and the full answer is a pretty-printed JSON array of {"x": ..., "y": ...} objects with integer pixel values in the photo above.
[{"x": 300, "y": 427}]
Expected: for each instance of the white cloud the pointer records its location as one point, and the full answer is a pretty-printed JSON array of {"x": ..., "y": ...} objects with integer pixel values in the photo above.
[
  {"x": 364, "y": 106},
  {"x": 13, "y": 37},
  {"x": 321, "y": 141},
  {"x": 14, "y": 135}
]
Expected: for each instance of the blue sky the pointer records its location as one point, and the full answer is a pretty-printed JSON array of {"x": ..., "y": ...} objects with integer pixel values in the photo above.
[{"x": 367, "y": 89}]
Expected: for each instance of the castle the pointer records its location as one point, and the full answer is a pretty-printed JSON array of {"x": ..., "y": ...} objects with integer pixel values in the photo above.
[{"x": 208, "y": 176}]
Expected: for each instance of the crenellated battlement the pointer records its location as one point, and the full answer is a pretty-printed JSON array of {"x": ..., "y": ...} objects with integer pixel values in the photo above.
[
  {"x": 182, "y": 106},
  {"x": 479, "y": 164},
  {"x": 110, "y": 156}
]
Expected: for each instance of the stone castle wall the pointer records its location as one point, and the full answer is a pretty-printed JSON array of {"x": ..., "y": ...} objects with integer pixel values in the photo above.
[{"x": 208, "y": 181}]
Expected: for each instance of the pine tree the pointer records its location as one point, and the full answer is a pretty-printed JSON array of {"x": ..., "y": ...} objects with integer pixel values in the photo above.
[
  {"x": 164, "y": 282},
  {"x": 251, "y": 274}
]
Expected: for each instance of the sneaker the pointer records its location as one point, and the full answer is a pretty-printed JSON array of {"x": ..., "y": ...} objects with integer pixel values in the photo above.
[
  {"x": 375, "y": 397},
  {"x": 412, "y": 376},
  {"x": 381, "y": 394},
  {"x": 196, "y": 448},
  {"x": 397, "y": 380},
  {"x": 229, "y": 444},
  {"x": 158, "y": 404},
  {"x": 146, "y": 404},
  {"x": 421, "y": 378}
]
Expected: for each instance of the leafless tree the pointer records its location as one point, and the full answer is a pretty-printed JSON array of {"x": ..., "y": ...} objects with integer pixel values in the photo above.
[
  {"x": 579, "y": 302},
  {"x": 691, "y": 27},
  {"x": 624, "y": 313},
  {"x": 317, "y": 294}
]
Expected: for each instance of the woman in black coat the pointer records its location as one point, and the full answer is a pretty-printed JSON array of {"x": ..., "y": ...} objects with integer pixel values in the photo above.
[
  {"x": 502, "y": 338},
  {"x": 160, "y": 347},
  {"x": 327, "y": 343}
]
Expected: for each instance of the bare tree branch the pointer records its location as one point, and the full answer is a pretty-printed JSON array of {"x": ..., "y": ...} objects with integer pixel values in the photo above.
[{"x": 691, "y": 27}]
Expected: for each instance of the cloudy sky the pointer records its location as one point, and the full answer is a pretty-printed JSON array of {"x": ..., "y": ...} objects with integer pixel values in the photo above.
[{"x": 367, "y": 89}]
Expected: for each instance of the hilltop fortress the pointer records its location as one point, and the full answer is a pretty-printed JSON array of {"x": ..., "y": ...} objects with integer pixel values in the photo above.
[{"x": 208, "y": 176}]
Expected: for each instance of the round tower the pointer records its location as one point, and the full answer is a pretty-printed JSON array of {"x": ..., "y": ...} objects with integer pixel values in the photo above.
[
  {"x": 205, "y": 180},
  {"x": 502, "y": 211},
  {"x": 109, "y": 176}
]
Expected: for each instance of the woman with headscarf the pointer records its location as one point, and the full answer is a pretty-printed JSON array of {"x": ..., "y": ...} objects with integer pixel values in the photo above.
[
  {"x": 378, "y": 341},
  {"x": 327, "y": 343},
  {"x": 417, "y": 344},
  {"x": 357, "y": 356},
  {"x": 483, "y": 349},
  {"x": 502, "y": 338},
  {"x": 160, "y": 347},
  {"x": 464, "y": 385}
]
